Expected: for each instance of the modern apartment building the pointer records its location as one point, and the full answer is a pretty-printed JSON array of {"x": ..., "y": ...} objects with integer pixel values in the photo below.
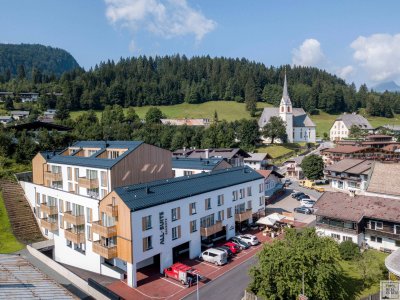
[
  {"x": 161, "y": 222},
  {"x": 67, "y": 187}
]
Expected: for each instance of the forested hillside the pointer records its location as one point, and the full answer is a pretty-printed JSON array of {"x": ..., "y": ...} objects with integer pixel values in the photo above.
[
  {"x": 139, "y": 81},
  {"x": 33, "y": 62}
]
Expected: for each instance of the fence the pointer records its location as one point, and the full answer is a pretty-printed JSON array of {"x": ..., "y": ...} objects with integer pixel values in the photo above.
[{"x": 24, "y": 176}]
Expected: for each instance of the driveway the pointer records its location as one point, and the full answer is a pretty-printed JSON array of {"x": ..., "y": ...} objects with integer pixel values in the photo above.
[{"x": 286, "y": 204}]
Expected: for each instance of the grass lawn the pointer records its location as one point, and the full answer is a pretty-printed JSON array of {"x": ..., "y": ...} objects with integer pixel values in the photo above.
[
  {"x": 227, "y": 110},
  {"x": 324, "y": 122},
  {"x": 8, "y": 242},
  {"x": 277, "y": 150},
  {"x": 353, "y": 278}
]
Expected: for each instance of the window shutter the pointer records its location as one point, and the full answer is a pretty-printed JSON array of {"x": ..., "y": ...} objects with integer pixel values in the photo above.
[
  {"x": 143, "y": 223},
  {"x": 179, "y": 231},
  {"x": 178, "y": 213},
  {"x": 222, "y": 215},
  {"x": 145, "y": 244}
]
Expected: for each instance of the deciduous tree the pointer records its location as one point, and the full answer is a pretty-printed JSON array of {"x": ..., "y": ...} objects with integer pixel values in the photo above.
[
  {"x": 313, "y": 166},
  {"x": 275, "y": 128}
]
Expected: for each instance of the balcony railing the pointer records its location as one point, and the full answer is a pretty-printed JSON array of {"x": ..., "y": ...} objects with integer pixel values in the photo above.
[
  {"x": 104, "y": 231},
  {"x": 240, "y": 217},
  {"x": 52, "y": 176},
  {"x": 105, "y": 251},
  {"x": 48, "y": 209},
  {"x": 383, "y": 232},
  {"x": 51, "y": 226},
  {"x": 88, "y": 183},
  {"x": 207, "y": 231},
  {"x": 340, "y": 228},
  {"x": 75, "y": 237},
  {"x": 72, "y": 219},
  {"x": 111, "y": 210}
]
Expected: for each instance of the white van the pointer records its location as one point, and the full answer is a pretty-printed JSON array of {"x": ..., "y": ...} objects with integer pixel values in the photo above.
[{"x": 214, "y": 256}]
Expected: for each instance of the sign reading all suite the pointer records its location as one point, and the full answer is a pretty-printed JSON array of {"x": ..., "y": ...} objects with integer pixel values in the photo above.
[{"x": 162, "y": 226}]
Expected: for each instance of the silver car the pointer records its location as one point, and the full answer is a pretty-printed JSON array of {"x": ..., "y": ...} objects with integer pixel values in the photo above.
[{"x": 249, "y": 239}]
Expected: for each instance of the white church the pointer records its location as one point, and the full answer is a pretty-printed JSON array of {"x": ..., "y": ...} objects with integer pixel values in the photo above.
[{"x": 299, "y": 127}]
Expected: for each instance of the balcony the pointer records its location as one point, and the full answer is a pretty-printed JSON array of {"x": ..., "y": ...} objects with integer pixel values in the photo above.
[
  {"x": 339, "y": 228},
  {"x": 72, "y": 219},
  {"x": 243, "y": 216},
  {"x": 111, "y": 210},
  {"x": 105, "y": 251},
  {"x": 207, "y": 231},
  {"x": 51, "y": 226},
  {"x": 88, "y": 183},
  {"x": 104, "y": 231},
  {"x": 52, "y": 176},
  {"x": 75, "y": 237},
  {"x": 48, "y": 209},
  {"x": 385, "y": 232}
]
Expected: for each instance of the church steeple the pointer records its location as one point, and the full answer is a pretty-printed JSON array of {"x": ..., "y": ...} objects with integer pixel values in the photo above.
[{"x": 285, "y": 95}]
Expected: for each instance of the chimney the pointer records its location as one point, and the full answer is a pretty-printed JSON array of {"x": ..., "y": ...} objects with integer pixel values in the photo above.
[
  {"x": 207, "y": 153},
  {"x": 352, "y": 193}
]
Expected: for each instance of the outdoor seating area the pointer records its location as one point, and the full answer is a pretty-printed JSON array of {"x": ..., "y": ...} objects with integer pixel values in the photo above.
[{"x": 273, "y": 225}]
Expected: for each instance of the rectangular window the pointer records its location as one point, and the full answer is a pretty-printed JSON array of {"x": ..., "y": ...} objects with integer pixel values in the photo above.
[
  {"x": 103, "y": 193},
  {"x": 229, "y": 212},
  {"x": 62, "y": 222},
  {"x": 60, "y": 205},
  {"x": 249, "y": 191},
  {"x": 89, "y": 232},
  {"x": 187, "y": 173},
  {"x": 242, "y": 193},
  {"x": 207, "y": 221},
  {"x": 88, "y": 215},
  {"x": 347, "y": 238},
  {"x": 76, "y": 174},
  {"x": 70, "y": 187},
  {"x": 147, "y": 243},
  {"x": 260, "y": 187},
  {"x": 396, "y": 229},
  {"x": 249, "y": 204},
  {"x": 192, "y": 208},
  {"x": 175, "y": 213},
  {"x": 37, "y": 198},
  {"x": 146, "y": 223},
  {"x": 375, "y": 225},
  {"x": 234, "y": 195},
  {"x": 103, "y": 178},
  {"x": 176, "y": 232},
  {"x": 69, "y": 243},
  {"x": 262, "y": 202},
  {"x": 220, "y": 215},
  {"x": 220, "y": 200},
  {"x": 373, "y": 239},
  {"x": 207, "y": 203},
  {"x": 69, "y": 173},
  {"x": 193, "y": 226},
  {"x": 379, "y": 239},
  {"x": 91, "y": 174},
  {"x": 335, "y": 236}
]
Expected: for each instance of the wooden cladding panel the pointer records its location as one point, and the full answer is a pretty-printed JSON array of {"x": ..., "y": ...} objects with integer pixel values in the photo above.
[
  {"x": 124, "y": 249},
  {"x": 38, "y": 168},
  {"x": 145, "y": 164}
]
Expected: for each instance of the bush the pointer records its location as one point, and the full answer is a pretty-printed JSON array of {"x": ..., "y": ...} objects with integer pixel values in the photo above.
[{"x": 349, "y": 250}]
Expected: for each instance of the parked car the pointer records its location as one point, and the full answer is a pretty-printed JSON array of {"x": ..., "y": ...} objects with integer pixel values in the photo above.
[
  {"x": 252, "y": 240},
  {"x": 226, "y": 250},
  {"x": 322, "y": 181},
  {"x": 233, "y": 247},
  {"x": 214, "y": 256},
  {"x": 238, "y": 241},
  {"x": 297, "y": 194},
  {"x": 303, "y": 210},
  {"x": 303, "y": 197},
  {"x": 287, "y": 182},
  {"x": 307, "y": 203}
]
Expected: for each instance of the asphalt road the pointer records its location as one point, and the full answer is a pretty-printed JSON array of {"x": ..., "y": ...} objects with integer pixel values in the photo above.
[{"x": 230, "y": 285}]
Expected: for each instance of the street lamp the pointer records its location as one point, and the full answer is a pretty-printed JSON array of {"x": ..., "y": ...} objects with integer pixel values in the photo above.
[{"x": 197, "y": 282}]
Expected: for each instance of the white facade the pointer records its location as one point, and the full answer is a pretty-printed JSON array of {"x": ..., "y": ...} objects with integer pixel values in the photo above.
[
  {"x": 341, "y": 236},
  {"x": 347, "y": 185},
  {"x": 184, "y": 172},
  {"x": 338, "y": 131},
  {"x": 304, "y": 134},
  {"x": 255, "y": 202}
]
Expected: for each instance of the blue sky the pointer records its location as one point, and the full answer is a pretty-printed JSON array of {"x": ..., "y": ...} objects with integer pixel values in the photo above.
[{"x": 357, "y": 40}]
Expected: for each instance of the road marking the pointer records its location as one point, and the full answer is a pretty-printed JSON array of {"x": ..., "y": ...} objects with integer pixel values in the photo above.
[
  {"x": 174, "y": 283},
  {"x": 208, "y": 264}
]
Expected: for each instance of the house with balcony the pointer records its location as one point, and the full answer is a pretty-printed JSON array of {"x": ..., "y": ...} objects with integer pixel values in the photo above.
[
  {"x": 368, "y": 221},
  {"x": 183, "y": 166},
  {"x": 349, "y": 174},
  {"x": 67, "y": 186},
  {"x": 161, "y": 222},
  {"x": 293, "y": 167},
  {"x": 258, "y": 161}
]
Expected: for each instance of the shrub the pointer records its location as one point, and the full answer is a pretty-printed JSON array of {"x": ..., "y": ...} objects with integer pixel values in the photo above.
[{"x": 349, "y": 250}]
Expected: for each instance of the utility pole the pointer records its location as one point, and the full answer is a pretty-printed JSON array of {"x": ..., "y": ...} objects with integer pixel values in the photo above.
[{"x": 197, "y": 282}]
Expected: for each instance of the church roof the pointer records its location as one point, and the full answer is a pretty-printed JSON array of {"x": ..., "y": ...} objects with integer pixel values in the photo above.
[
  {"x": 285, "y": 95},
  {"x": 300, "y": 117}
]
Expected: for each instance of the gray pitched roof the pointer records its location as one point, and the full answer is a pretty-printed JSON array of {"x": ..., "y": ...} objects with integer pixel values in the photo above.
[
  {"x": 300, "y": 117},
  {"x": 354, "y": 119},
  {"x": 353, "y": 166},
  {"x": 92, "y": 161},
  {"x": 195, "y": 163},
  {"x": 145, "y": 195},
  {"x": 384, "y": 179}
]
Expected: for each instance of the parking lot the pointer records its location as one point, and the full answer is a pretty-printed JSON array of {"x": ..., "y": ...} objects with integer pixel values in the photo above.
[
  {"x": 286, "y": 204},
  {"x": 153, "y": 285}
]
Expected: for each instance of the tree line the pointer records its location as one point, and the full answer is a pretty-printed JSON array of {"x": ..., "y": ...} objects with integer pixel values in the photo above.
[{"x": 168, "y": 80}]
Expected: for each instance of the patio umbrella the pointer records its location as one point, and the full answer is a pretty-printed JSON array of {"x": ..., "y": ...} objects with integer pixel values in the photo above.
[
  {"x": 266, "y": 221},
  {"x": 276, "y": 217}
]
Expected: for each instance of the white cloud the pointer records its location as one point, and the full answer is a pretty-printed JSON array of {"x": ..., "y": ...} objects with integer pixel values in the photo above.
[
  {"x": 166, "y": 18},
  {"x": 308, "y": 54},
  {"x": 379, "y": 55},
  {"x": 346, "y": 72}
]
